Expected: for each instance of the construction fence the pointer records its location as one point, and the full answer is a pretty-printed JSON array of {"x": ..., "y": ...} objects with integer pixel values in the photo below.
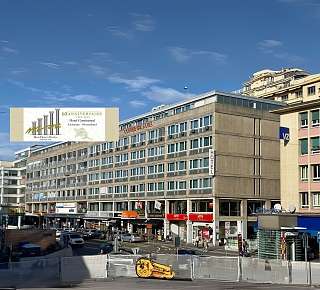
[{"x": 57, "y": 271}]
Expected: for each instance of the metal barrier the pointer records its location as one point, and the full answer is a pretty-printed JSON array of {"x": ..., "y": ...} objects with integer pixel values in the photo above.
[
  {"x": 264, "y": 271},
  {"x": 56, "y": 271},
  {"x": 219, "y": 268},
  {"x": 79, "y": 268},
  {"x": 36, "y": 273}
]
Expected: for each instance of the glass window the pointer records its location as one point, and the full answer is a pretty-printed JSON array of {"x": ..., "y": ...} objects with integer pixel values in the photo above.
[
  {"x": 315, "y": 144},
  {"x": 303, "y": 119},
  {"x": 304, "y": 199},
  {"x": 304, "y": 172},
  {"x": 171, "y": 167},
  {"x": 182, "y": 165},
  {"x": 311, "y": 90},
  {"x": 229, "y": 208},
  {"x": 195, "y": 124},
  {"x": 171, "y": 185},
  {"x": 315, "y": 118},
  {"x": 316, "y": 199},
  {"x": 303, "y": 146},
  {"x": 194, "y": 144},
  {"x": 315, "y": 172}
]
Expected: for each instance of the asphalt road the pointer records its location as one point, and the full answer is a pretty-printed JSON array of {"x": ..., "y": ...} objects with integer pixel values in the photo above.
[
  {"x": 138, "y": 284},
  {"x": 92, "y": 247}
]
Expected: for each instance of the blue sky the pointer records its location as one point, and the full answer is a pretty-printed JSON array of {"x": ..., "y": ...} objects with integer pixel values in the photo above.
[{"x": 138, "y": 54}]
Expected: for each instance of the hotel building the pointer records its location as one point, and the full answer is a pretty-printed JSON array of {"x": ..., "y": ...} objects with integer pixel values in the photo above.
[{"x": 208, "y": 162}]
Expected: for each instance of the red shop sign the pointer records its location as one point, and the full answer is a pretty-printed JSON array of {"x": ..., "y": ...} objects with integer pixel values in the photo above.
[
  {"x": 201, "y": 217},
  {"x": 176, "y": 217}
]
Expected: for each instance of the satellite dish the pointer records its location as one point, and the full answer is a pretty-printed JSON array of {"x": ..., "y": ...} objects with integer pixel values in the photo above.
[
  {"x": 292, "y": 208},
  {"x": 185, "y": 87},
  {"x": 277, "y": 207}
]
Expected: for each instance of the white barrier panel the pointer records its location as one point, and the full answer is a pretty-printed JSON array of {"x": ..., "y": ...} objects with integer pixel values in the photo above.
[
  {"x": 219, "y": 268},
  {"x": 265, "y": 271},
  {"x": 79, "y": 268}
]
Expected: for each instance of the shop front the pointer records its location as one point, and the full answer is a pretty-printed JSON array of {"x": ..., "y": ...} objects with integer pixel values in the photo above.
[
  {"x": 178, "y": 225},
  {"x": 202, "y": 228}
]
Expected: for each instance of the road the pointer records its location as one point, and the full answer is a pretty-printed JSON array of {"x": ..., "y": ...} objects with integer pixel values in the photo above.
[
  {"x": 138, "y": 284},
  {"x": 92, "y": 247}
]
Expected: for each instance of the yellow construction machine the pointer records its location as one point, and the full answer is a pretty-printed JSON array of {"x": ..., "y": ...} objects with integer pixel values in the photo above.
[{"x": 146, "y": 268}]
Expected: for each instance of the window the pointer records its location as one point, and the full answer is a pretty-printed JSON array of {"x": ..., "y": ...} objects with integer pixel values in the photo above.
[
  {"x": 315, "y": 172},
  {"x": 303, "y": 146},
  {"x": 229, "y": 207},
  {"x": 303, "y": 119},
  {"x": 194, "y": 124},
  {"x": 171, "y": 185},
  {"x": 304, "y": 199},
  {"x": 311, "y": 90},
  {"x": 316, "y": 199},
  {"x": 171, "y": 167},
  {"x": 181, "y": 165},
  {"x": 315, "y": 144},
  {"x": 298, "y": 94},
  {"x": 315, "y": 118},
  {"x": 207, "y": 120},
  {"x": 304, "y": 172}
]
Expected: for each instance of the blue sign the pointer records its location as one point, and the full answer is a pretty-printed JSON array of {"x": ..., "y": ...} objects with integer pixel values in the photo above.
[{"x": 284, "y": 134}]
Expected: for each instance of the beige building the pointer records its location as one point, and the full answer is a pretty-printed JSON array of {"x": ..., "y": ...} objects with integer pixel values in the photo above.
[
  {"x": 203, "y": 166},
  {"x": 300, "y": 163}
]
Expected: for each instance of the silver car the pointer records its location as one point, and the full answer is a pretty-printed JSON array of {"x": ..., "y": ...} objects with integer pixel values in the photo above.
[{"x": 131, "y": 238}]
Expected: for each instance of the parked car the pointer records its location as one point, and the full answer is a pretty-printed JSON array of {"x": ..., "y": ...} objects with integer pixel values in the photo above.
[
  {"x": 29, "y": 250},
  {"x": 131, "y": 238},
  {"x": 106, "y": 248},
  {"x": 72, "y": 239}
]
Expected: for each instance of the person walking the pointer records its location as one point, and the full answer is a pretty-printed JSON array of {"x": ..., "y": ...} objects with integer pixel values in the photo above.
[{"x": 197, "y": 239}]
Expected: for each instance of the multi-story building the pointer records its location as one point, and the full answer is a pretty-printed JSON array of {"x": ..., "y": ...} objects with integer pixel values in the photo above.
[
  {"x": 287, "y": 85},
  {"x": 300, "y": 163},
  {"x": 208, "y": 162}
]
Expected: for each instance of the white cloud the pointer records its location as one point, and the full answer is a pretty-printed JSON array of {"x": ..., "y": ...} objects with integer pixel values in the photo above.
[
  {"x": 51, "y": 65},
  {"x": 165, "y": 95},
  {"x": 268, "y": 45},
  {"x": 70, "y": 62},
  {"x": 143, "y": 22},
  {"x": 116, "y": 31},
  {"x": 18, "y": 71},
  {"x": 137, "y": 103},
  {"x": 83, "y": 98},
  {"x": 135, "y": 84},
  {"x": 9, "y": 50},
  {"x": 98, "y": 70},
  {"x": 275, "y": 48},
  {"x": 181, "y": 54}
]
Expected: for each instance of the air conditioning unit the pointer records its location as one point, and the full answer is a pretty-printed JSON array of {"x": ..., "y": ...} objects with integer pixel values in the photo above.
[
  {"x": 150, "y": 141},
  {"x": 170, "y": 136},
  {"x": 207, "y": 128},
  {"x": 193, "y": 131},
  {"x": 183, "y": 133}
]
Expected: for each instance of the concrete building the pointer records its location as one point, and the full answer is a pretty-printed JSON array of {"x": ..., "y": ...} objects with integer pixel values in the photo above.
[
  {"x": 287, "y": 85},
  {"x": 300, "y": 163},
  {"x": 206, "y": 163}
]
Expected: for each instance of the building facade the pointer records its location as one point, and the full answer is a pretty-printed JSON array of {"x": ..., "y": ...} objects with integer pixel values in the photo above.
[
  {"x": 300, "y": 164},
  {"x": 291, "y": 86},
  {"x": 209, "y": 162}
]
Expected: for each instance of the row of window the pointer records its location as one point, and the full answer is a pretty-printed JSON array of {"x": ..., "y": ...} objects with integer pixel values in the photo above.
[
  {"x": 200, "y": 163},
  {"x": 314, "y": 117},
  {"x": 196, "y": 143},
  {"x": 304, "y": 199},
  {"x": 313, "y": 147},
  {"x": 315, "y": 172},
  {"x": 201, "y": 183}
]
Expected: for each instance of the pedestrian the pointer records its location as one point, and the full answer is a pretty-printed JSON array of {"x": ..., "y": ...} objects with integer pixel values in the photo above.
[
  {"x": 245, "y": 246},
  {"x": 205, "y": 244},
  {"x": 197, "y": 239}
]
